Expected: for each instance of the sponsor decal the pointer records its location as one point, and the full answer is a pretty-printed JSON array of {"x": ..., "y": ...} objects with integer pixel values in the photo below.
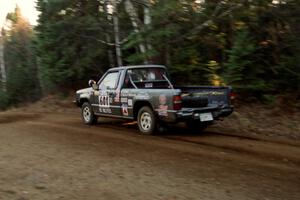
[
  {"x": 105, "y": 110},
  {"x": 117, "y": 100},
  {"x": 130, "y": 104},
  {"x": 148, "y": 85},
  {"x": 143, "y": 96},
  {"x": 125, "y": 109},
  {"x": 124, "y": 99},
  {"x": 209, "y": 93},
  {"x": 117, "y": 97},
  {"x": 135, "y": 95},
  {"x": 125, "y": 94},
  {"x": 163, "y": 107}
]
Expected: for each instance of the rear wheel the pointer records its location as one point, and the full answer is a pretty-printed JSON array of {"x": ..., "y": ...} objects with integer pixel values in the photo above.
[
  {"x": 146, "y": 120},
  {"x": 87, "y": 114}
]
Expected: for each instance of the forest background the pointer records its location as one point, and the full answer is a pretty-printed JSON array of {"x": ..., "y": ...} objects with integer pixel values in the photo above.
[{"x": 252, "y": 46}]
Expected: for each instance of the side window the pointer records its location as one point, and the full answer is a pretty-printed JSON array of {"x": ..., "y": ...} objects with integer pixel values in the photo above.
[
  {"x": 110, "y": 81},
  {"x": 127, "y": 83}
]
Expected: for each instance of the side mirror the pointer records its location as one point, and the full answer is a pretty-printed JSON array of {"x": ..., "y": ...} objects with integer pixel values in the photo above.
[{"x": 93, "y": 84}]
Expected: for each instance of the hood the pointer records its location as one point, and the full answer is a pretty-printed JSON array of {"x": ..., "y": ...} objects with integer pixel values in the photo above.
[{"x": 85, "y": 90}]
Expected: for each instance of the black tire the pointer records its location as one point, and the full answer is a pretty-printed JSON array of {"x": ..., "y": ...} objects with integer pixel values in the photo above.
[
  {"x": 196, "y": 126},
  {"x": 87, "y": 114},
  {"x": 147, "y": 120}
]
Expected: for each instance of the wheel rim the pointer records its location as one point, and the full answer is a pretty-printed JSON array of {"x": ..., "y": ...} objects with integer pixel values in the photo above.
[
  {"x": 146, "y": 121},
  {"x": 86, "y": 114}
]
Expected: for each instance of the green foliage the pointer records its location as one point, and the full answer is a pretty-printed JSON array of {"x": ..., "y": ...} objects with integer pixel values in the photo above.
[
  {"x": 67, "y": 47},
  {"x": 213, "y": 69},
  {"x": 253, "y": 44},
  {"x": 242, "y": 71},
  {"x": 4, "y": 100}
]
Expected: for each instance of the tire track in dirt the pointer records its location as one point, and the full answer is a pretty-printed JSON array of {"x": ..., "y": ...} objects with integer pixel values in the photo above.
[{"x": 206, "y": 148}]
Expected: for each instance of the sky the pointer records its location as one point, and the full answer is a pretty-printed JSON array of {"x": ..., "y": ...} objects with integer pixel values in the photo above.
[{"x": 27, "y": 8}]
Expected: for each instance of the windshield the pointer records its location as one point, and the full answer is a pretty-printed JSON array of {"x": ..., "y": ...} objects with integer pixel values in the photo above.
[
  {"x": 147, "y": 74},
  {"x": 147, "y": 78}
]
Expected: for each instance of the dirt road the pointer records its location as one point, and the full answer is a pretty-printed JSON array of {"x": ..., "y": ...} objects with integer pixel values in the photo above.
[{"x": 55, "y": 156}]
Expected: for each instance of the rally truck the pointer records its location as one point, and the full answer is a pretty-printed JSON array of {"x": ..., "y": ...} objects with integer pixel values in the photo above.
[{"x": 145, "y": 93}]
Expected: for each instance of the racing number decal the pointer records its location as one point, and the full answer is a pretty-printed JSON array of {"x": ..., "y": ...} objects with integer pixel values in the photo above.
[
  {"x": 104, "y": 101},
  {"x": 104, "y": 104}
]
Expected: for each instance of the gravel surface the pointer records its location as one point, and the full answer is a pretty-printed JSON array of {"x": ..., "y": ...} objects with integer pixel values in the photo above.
[{"x": 50, "y": 155}]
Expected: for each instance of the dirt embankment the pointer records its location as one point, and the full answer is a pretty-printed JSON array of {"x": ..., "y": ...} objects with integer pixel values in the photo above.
[
  {"x": 259, "y": 120},
  {"x": 279, "y": 121}
]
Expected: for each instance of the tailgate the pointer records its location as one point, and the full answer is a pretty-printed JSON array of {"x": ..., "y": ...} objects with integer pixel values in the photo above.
[{"x": 216, "y": 96}]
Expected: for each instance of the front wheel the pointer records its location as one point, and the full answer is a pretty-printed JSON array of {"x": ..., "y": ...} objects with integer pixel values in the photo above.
[
  {"x": 87, "y": 114},
  {"x": 146, "y": 120}
]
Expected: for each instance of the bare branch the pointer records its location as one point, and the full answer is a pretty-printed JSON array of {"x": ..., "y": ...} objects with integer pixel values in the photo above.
[
  {"x": 210, "y": 21},
  {"x": 102, "y": 41},
  {"x": 141, "y": 2}
]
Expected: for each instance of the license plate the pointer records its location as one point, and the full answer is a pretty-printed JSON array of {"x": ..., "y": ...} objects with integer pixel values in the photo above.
[{"x": 204, "y": 117}]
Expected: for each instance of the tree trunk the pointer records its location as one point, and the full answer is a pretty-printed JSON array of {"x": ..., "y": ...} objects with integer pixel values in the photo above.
[
  {"x": 147, "y": 20},
  {"x": 134, "y": 21},
  {"x": 110, "y": 52},
  {"x": 147, "y": 17},
  {"x": 167, "y": 55},
  {"x": 108, "y": 39},
  {"x": 117, "y": 40},
  {"x": 2, "y": 64},
  {"x": 117, "y": 35}
]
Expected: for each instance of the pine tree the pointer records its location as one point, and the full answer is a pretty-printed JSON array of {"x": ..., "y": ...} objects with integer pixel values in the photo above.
[
  {"x": 242, "y": 71},
  {"x": 20, "y": 60},
  {"x": 70, "y": 42}
]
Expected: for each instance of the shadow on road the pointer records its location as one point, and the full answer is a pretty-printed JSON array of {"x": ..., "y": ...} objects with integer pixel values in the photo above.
[{"x": 170, "y": 130}]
